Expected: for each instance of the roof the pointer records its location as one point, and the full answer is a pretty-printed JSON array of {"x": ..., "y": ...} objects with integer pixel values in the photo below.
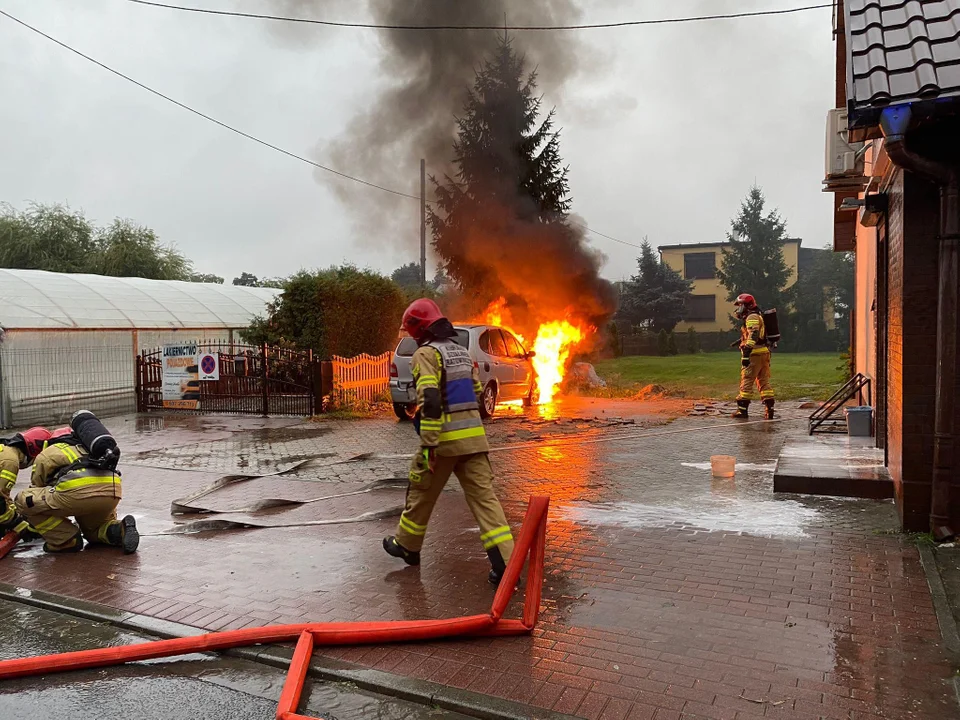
[
  {"x": 724, "y": 243},
  {"x": 36, "y": 299},
  {"x": 900, "y": 51}
]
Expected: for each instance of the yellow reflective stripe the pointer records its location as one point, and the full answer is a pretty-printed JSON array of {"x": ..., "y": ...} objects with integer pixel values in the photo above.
[
  {"x": 411, "y": 527},
  {"x": 48, "y": 524},
  {"x": 753, "y": 323},
  {"x": 84, "y": 482},
  {"x": 498, "y": 539},
  {"x": 8, "y": 475},
  {"x": 495, "y": 531},
  {"x": 71, "y": 454},
  {"x": 766, "y": 394},
  {"x": 461, "y": 434},
  {"x": 432, "y": 424},
  {"x": 7, "y": 515}
]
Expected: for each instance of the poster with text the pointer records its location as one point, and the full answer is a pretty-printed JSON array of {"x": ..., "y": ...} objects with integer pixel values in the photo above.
[{"x": 181, "y": 384}]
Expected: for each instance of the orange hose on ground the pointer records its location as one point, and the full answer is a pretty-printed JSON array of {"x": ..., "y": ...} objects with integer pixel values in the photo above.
[
  {"x": 290, "y": 695},
  {"x": 536, "y": 515},
  {"x": 531, "y": 604},
  {"x": 7, "y": 543}
]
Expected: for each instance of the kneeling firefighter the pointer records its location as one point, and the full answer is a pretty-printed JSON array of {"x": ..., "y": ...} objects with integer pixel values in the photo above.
[
  {"x": 755, "y": 357},
  {"x": 16, "y": 453},
  {"x": 76, "y": 476},
  {"x": 452, "y": 440}
]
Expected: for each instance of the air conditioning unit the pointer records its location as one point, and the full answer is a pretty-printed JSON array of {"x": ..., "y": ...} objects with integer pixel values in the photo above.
[{"x": 844, "y": 158}]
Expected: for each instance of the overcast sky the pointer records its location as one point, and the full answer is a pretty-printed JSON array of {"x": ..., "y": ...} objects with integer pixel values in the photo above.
[{"x": 664, "y": 130}]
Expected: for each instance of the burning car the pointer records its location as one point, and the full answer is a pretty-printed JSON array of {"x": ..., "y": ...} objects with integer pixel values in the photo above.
[{"x": 506, "y": 369}]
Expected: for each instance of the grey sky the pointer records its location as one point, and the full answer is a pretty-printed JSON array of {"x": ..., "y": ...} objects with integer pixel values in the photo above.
[{"x": 664, "y": 129}]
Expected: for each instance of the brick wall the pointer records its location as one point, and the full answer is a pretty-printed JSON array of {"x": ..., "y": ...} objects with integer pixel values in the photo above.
[{"x": 912, "y": 333}]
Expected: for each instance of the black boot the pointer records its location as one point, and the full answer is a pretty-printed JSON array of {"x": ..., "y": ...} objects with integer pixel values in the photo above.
[
  {"x": 743, "y": 410},
  {"x": 9, "y": 518},
  {"x": 27, "y": 532},
  {"x": 497, "y": 566},
  {"x": 394, "y": 548},
  {"x": 124, "y": 534},
  {"x": 769, "y": 402}
]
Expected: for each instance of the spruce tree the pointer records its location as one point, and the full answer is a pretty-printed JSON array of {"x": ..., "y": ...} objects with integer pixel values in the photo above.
[
  {"x": 754, "y": 263},
  {"x": 654, "y": 298}
]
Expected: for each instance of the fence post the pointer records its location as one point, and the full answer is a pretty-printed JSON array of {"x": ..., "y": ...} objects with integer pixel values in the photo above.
[
  {"x": 264, "y": 380},
  {"x": 138, "y": 383}
]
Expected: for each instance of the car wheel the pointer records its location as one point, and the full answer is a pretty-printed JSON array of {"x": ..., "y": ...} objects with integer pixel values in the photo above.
[
  {"x": 404, "y": 411},
  {"x": 488, "y": 401}
]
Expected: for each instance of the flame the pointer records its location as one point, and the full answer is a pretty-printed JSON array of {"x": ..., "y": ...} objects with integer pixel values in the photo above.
[{"x": 554, "y": 342}]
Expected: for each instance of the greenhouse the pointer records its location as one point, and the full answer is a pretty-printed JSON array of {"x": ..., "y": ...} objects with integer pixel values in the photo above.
[{"x": 70, "y": 341}]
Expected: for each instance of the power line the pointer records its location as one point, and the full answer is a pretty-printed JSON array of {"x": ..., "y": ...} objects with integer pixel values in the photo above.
[
  {"x": 179, "y": 104},
  {"x": 241, "y": 132},
  {"x": 591, "y": 26}
]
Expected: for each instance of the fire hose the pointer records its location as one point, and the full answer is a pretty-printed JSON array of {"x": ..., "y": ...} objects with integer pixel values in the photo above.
[{"x": 531, "y": 541}]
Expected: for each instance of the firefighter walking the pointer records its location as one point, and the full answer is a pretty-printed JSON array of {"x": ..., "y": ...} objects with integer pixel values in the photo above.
[
  {"x": 754, "y": 358},
  {"x": 452, "y": 440},
  {"x": 67, "y": 482}
]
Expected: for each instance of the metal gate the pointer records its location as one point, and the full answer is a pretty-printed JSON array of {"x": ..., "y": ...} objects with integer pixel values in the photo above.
[{"x": 255, "y": 380}]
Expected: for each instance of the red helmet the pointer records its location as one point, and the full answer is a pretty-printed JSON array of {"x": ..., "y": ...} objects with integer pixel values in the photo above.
[
  {"x": 34, "y": 441},
  {"x": 61, "y": 432},
  {"x": 419, "y": 316},
  {"x": 745, "y": 302}
]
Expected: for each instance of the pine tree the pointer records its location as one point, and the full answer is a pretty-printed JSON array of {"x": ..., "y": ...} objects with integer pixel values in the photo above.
[
  {"x": 672, "y": 344},
  {"x": 663, "y": 343},
  {"x": 509, "y": 173},
  {"x": 754, "y": 263},
  {"x": 693, "y": 342},
  {"x": 655, "y": 297}
]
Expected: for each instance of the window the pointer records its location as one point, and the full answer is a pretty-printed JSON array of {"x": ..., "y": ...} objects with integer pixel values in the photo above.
[
  {"x": 497, "y": 347},
  {"x": 700, "y": 266},
  {"x": 407, "y": 347},
  {"x": 514, "y": 348},
  {"x": 462, "y": 338},
  {"x": 701, "y": 308}
]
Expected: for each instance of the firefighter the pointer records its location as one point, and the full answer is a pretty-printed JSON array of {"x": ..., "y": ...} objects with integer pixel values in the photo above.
[
  {"x": 65, "y": 483},
  {"x": 755, "y": 357},
  {"x": 16, "y": 453},
  {"x": 452, "y": 440}
]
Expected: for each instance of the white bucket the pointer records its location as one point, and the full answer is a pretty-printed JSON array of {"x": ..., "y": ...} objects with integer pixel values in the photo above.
[{"x": 723, "y": 466}]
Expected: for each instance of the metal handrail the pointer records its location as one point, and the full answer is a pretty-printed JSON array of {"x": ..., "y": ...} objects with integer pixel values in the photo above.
[{"x": 853, "y": 387}]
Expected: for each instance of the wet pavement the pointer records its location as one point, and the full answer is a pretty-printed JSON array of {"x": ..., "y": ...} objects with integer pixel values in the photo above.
[
  {"x": 195, "y": 686},
  {"x": 669, "y": 593}
]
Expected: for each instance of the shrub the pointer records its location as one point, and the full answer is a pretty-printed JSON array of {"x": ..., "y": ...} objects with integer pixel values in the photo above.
[
  {"x": 693, "y": 342},
  {"x": 663, "y": 343},
  {"x": 672, "y": 344}
]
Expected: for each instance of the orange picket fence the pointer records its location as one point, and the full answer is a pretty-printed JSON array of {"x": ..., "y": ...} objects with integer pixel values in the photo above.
[{"x": 364, "y": 377}]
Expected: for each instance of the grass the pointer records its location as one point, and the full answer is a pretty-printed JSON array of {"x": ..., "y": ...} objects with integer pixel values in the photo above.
[{"x": 717, "y": 375}]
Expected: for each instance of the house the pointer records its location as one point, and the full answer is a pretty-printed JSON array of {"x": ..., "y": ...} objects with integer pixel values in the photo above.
[
  {"x": 893, "y": 164},
  {"x": 709, "y": 310}
]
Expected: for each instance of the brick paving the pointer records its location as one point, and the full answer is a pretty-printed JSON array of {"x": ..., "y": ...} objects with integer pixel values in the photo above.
[{"x": 668, "y": 594}]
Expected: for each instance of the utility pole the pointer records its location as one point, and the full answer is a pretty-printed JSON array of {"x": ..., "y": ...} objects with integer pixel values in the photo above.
[{"x": 423, "y": 224}]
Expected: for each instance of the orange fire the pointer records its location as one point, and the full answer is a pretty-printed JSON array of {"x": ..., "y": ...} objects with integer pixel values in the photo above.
[{"x": 552, "y": 347}]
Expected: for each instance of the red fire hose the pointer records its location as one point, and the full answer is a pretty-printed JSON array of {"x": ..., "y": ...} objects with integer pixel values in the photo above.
[{"x": 531, "y": 541}]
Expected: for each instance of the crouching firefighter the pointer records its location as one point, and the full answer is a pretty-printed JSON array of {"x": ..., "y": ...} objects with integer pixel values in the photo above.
[
  {"x": 755, "y": 357},
  {"x": 16, "y": 453},
  {"x": 76, "y": 476},
  {"x": 452, "y": 440}
]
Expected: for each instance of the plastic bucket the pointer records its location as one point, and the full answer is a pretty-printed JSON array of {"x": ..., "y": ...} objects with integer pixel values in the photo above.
[
  {"x": 859, "y": 421},
  {"x": 723, "y": 465}
]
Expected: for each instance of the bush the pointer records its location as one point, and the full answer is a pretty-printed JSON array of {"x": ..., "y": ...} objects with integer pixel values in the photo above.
[
  {"x": 693, "y": 342},
  {"x": 663, "y": 344},
  {"x": 672, "y": 344},
  {"x": 338, "y": 311}
]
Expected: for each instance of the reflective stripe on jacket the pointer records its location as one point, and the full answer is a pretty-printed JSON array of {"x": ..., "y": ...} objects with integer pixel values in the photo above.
[{"x": 754, "y": 336}]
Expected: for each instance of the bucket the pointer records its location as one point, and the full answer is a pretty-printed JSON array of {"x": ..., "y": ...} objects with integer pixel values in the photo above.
[
  {"x": 859, "y": 421},
  {"x": 723, "y": 465}
]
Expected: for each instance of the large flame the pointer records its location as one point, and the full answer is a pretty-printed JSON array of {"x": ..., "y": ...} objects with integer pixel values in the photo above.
[{"x": 554, "y": 342}]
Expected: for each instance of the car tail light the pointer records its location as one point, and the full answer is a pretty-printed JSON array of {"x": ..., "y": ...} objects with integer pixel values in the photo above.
[{"x": 393, "y": 370}]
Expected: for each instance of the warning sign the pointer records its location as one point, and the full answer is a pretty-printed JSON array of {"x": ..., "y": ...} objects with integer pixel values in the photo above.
[
  {"x": 209, "y": 366},
  {"x": 181, "y": 385}
]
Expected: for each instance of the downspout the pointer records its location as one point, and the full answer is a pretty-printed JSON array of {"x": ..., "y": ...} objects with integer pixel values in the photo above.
[{"x": 894, "y": 123}]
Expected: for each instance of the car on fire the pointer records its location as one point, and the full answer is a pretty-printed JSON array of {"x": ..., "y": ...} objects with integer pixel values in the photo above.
[{"x": 506, "y": 369}]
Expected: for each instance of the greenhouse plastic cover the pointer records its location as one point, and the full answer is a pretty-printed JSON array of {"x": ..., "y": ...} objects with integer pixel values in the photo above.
[{"x": 44, "y": 300}]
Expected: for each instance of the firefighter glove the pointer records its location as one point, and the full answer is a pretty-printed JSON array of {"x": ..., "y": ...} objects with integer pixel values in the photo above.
[{"x": 745, "y": 362}]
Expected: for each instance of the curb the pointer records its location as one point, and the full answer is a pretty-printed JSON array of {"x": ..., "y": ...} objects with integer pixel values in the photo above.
[
  {"x": 424, "y": 692},
  {"x": 945, "y": 619}
]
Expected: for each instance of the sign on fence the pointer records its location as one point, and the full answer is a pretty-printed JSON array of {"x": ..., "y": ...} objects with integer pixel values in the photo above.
[
  {"x": 364, "y": 377},
  {"x": 181, "y": 384},
  {"x": 210, "y": 366}
]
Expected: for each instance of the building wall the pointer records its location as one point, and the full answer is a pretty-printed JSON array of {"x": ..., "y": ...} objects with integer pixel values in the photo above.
[
  {"x": 864, "y": 310},
  {"x": 45, "y": 376}
]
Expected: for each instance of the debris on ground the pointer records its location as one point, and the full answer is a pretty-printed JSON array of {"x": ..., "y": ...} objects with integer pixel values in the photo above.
[
  {"x": 712, "y": 408},
  {"x": 650, "y": 392},
  {"x": 583, "y": 374}
]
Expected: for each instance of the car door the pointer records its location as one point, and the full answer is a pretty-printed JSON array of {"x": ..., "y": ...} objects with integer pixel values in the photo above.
[
  {"x": 501, "y": 367},
  {"x": 522, "y": 367}
]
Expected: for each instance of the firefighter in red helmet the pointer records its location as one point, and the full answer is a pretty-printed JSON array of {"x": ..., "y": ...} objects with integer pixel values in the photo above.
[
  {"x": 452, "y": 440},
  {"x": 16, "y": 453},
  {"x": 755, "y": 357}
]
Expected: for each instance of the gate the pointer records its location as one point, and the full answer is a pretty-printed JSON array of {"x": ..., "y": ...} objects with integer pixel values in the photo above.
[{"x": 256, "y": 380}]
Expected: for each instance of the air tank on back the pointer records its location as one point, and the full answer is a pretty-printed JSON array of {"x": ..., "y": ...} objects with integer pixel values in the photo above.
[{"x": 96, "y": 438}]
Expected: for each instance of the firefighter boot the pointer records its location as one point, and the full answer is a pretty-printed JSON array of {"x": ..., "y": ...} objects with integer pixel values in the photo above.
[
  {"x": 9, "y": 518},
  {"x": 394, "y": 548},
  {"x": 27, "y": 532},
  {"x": 743, "y": 410},
  {"x": 769, "y": 402},
  {"x": 124, "y": 534},
  {"x": 497, "y": 566},
  {"x": 73, "y": 545}
]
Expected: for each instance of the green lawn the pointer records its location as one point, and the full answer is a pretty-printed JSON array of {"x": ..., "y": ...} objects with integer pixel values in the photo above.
[{"x": 717, "y": 375}]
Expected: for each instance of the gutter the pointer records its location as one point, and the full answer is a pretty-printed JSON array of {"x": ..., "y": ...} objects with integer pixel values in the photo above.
[{"x": 895, "y": 122}]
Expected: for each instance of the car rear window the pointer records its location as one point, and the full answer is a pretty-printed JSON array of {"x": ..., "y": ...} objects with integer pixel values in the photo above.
[
  {"x": 463, "y": 338},
  {"x": 407, "y": 347}
]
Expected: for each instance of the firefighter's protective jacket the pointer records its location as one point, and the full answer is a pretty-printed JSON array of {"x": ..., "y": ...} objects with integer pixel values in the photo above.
[
  {"x": 11, "y": 460},
  {"x": 82, "y": 479},
  {"x": 448, "y": 386},
  {"x": 753, "y": 336}
]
